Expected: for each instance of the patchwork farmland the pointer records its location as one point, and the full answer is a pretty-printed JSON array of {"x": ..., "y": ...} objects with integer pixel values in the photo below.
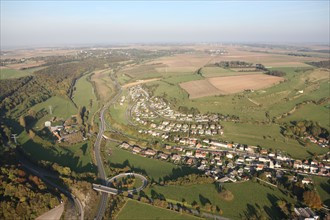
[{"x": 228, "y": 85}]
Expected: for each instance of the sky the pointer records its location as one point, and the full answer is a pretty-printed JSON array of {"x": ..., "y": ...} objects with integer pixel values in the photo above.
[{"x": 68, "y": 23}]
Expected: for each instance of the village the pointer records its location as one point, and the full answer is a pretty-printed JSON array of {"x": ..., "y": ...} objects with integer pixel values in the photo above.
[
  {"x": 158, "y": 119},
  {"x": 196, "y": 144}
]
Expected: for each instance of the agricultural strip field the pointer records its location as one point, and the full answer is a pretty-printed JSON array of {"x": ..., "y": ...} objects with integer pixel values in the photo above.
[
  {"x": 267, "y": 136},
  {"x": 228, "y": 84},
  {"x": 103, "y": 83},
  {"x": 154, "y": 168},
  {"x": 84, "y": 95},
  {"x": 218, "y": 71},
  {"x": 247, "y": 196},
  {"x": 137, "y": 210}
]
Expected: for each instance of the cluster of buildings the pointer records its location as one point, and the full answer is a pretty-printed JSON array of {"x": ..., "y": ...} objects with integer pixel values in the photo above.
[
  {"x": 229, "y": 165},
  {"x": 312, "y": 167},
  {"x": 65, "y": 131},
  {"x": 147, "y": 111},
  {"x": 211, "y": 156},
  {"x": 322, "y": 142}
]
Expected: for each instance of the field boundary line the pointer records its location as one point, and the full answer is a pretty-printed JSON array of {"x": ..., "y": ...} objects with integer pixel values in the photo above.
[{"x": 115, "y": 217}]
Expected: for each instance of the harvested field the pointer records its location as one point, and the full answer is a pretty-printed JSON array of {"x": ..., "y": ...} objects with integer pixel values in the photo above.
[
  {"x": 139, "y": 82},
  {"x": 228, "y": 85}
]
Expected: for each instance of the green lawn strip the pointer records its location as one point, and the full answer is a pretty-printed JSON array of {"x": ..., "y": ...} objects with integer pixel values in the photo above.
[
  {"x": 218, "y": 71},
  {"x": 154, "y": 168},
  {"x": 12, "y": 73},
  {"x": 322, "y": 185},
  {"x": 247, "y": 196},
  {"x": 84, "y": 95},
  {"x": 138, "y": 210}
]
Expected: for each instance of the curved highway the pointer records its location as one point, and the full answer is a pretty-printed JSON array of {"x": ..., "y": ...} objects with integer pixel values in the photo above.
[
  {"x": 143, "y": 178},
  {"x": 42, "y": 174},
  {"x": 97, "y": 146}
]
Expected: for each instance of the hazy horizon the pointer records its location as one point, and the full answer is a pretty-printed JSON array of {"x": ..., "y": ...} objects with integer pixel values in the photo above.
[{"x": 35, "y": 23}]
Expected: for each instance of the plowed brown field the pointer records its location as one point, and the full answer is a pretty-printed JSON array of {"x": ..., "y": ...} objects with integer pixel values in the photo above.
[{"x": 228, "y": 84}]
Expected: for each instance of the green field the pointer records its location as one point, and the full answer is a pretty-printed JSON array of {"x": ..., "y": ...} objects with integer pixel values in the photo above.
[
  {"x": 218, "y": 71},
  {"x": 61, "y": 108},
  {"x": 247, "y": 196},
  {"x": 137, "y": 210},
  {"x": 322, "y": 185},
  {"x": 84, "y": 93},
  {"x": 267, "y": 136},
  {"x": 12, "y": 73},
  {"x": 275, "y": 100},
  {"x": 318, "y": 113},
  {"x": 152, "y": 167},
  {"x": 77, "y": 156}
]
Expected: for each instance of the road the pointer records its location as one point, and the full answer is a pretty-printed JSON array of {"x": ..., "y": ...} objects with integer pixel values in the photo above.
[
  {"x": 42, "y": 174},
  {"x": 97, "y": 148},
  {"x": 114, "y": 191},
  {"x": 53, "y": 214}
]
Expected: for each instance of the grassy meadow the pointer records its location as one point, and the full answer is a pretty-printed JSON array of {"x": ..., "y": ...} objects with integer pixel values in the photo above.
[
  {"x": 137, "y": 210},
  {"x": 12, "y": 73},
  {"x": 153, "y": 168},
  {"x": 77, "y": 157},
  {"x": 267, "y": 136},
  {"x": 84, "y": 95},
  {"x": 247, "y": 197}
]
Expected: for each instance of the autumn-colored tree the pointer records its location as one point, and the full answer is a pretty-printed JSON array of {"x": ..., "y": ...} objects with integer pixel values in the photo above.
[
  {"x": 32, "y": 134},
  {"x": 312, "y": 199},
  {"x": 22, "y": 121}
]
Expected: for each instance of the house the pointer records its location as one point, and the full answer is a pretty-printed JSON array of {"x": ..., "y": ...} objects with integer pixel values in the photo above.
[
  {"x": 189, "y": 153},
  {"x": 176, "y": 157},
  {"x": 313, "y": 169},
  {"x": 219, "y": 162},
  {"x": 163, "y": 156},
  {"x": 306, "y": 180},
  {"x": 191, "y": 161},
  {"x": 137, "y": 149},
  {"x": 268, "y": 174},
  {"x": 240, "y": 160},
  {"x": 271, "y": 155},
  {"x": 260, "y": 167},
  {"x": 263, "y": 159},
  {"x": 150, "y": 152},
  {"x": 224, "y": 180},
  {"x": 125, "y": 145},
  {"x": 306, "y": 213},
  {"x": 230, "y": 156},
  {"x": 297, "y": 164},
  {"x": 200, "y": 154},
  {"x": 263, "y": 151}
]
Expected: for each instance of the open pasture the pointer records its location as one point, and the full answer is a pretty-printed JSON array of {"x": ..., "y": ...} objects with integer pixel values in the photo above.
[
  {"x": 269, "y": 58},
  {"x": 184, "y": 62},
  {"x": 6, "y": 73},
  {"x": 103, "y": 83},
  {"x": 228, "y": 84},
  {"x": 138, "y": 210},
  {"x": 247, "y": 196}
]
